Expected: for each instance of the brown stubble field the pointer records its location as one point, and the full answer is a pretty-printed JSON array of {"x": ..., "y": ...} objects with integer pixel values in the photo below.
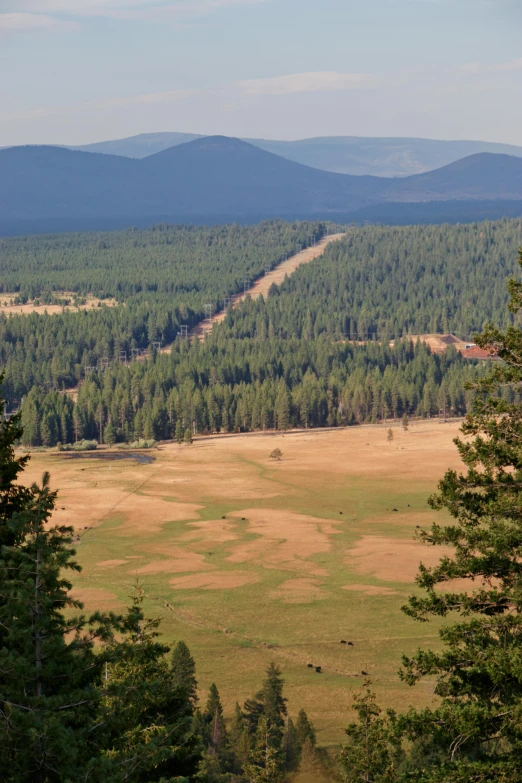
[{"x": 251, "y": 560}]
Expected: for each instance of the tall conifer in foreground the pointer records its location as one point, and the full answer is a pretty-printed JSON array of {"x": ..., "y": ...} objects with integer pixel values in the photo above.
[
  {"x": 476, "y": 733},
  {"x": 48, "y": 669},
  {"x": 76, "y": 703}
]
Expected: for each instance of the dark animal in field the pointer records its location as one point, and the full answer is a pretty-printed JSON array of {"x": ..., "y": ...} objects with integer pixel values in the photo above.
[
  {"x": 223, "y": 517},
  {"x": 243, "y": 519},
  {"x": 365, "y": 673},
  {"x": 395, "y": 509},
  {"x": 350, "y": 644},
  {"x": 310, "y": 666},
  {"x": 318, "y": 670},
  {"x": 340, "y": 512},
  {"x": 342, "y": 641}
]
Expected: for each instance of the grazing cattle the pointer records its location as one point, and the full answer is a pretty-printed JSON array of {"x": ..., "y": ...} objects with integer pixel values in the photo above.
[
  {"x": 243, "y": 519},
  {"x": 365, "y": 673},
  {"x": 342, "y": 641},
  {"x": 318, "y": 669},
  {"x": 223, "y": 517},
  {"x": 350, "y": 644},
  {"x": 395, "y": 509},
  {"x": 340, "y": 512},
  {"x": 310, "y": 666}
]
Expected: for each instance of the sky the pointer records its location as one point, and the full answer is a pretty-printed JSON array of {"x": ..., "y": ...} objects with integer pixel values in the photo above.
[{"x": 80, "y": 71}]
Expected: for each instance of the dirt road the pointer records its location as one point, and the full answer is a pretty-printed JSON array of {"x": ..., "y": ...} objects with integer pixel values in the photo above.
[{"x": 262, "y": 285}]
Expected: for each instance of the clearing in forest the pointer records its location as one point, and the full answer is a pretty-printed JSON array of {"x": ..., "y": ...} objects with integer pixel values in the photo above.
[
  {"x": 8, "y": 306},
  {"x": 251, "y": 559},
  {"x": 262, "y": 286}
]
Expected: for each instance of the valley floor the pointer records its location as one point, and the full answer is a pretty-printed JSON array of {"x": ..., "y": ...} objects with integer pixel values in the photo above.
[{"x": 251, "y": 560}]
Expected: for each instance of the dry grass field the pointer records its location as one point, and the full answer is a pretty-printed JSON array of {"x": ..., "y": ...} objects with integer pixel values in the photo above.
[
  {"x": 8, "y": 307},
  {"x": 251, "y": 560}
]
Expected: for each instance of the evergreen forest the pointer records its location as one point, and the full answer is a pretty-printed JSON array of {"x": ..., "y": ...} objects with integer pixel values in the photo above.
[
  {"x": 385, "y": 282},
  {"x": 313, "y": 353}
]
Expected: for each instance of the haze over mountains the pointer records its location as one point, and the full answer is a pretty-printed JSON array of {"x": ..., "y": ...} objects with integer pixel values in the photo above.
[
  {"x": 381, "y": 157},
  {"x": 219, "y": 179}
]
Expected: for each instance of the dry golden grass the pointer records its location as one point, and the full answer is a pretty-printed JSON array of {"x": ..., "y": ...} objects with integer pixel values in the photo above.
[
  {"x": 7, "y": 305},
  {"x": 251, "y": 560}
]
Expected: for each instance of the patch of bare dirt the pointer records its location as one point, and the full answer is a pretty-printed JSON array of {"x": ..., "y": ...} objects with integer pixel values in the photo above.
[
  {"x": 96, "y": 598},
  {"x": 285, "y": 540},
  {"x": 392, "y": 559},
  {"x": 146, "y": 515},
  {"x": 183, "y": 561},
  {"x": 211, "y": 532},
  {"x": 217, "y": 580}
]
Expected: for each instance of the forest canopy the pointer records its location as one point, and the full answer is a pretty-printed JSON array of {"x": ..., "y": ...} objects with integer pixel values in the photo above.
[{"x": 313, "y": 353}]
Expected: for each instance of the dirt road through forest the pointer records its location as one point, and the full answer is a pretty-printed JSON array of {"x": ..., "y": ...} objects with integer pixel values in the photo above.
[{"x": 262, "y": 286}]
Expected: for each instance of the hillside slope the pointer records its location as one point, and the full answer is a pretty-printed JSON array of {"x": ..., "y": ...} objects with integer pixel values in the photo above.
[
  {"x": 221, "y": 178},
  {"x": 380, "y": 157}
]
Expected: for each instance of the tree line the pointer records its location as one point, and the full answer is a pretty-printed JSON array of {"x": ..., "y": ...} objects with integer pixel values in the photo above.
[{"x": 226, "y": 385}]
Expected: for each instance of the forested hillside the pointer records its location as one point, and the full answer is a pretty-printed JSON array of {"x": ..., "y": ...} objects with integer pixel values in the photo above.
[
  {"x": 391, "y": 281},
  {"x": 277, "y": 363}
]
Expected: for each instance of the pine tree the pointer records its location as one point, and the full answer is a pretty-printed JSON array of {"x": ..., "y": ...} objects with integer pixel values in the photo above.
[
  {"x": 179, "y": 431},
  {"x": 239, "y": 740},
  {"x": 269, "y": 704},
  {"x": 218, "y": 760},
  {"x": 291, "y": 747},
  {"x": 305, "y": 730},
  {"x": 109, "y": 434},
  {"x": 48, "y": 669},
  {"x": 147, "y": 719},
  {"x": 213, "y": 715},
  {"x": 373, "y": 752},
  {"x": 183, "y": 672},
  {"x": 478, "y": 673},
  {"x": 266, "y": 763}
]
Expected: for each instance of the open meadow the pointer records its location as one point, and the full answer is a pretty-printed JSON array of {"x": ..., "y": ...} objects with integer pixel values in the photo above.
[{"x": 251, "y": 560}]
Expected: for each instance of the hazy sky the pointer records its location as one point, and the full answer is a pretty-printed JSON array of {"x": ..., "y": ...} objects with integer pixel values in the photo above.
[{"x": 76, "y": 71}]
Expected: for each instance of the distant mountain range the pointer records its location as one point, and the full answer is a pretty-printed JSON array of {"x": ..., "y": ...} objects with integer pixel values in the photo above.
[
  {"x": 380, "y": 157},
  {"x": 218, "y": 179}
]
